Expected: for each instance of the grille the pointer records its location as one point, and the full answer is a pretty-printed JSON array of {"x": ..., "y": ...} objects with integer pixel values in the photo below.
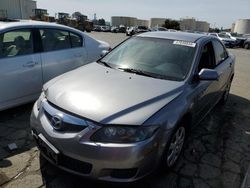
[
  {"x": 74, "y": 164},
  {"x": 68, "y": 127},
  {"x": 123, "y": 173}
]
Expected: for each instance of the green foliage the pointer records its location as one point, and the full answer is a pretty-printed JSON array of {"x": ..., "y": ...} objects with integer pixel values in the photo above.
[{"x": 172, "y": 24}]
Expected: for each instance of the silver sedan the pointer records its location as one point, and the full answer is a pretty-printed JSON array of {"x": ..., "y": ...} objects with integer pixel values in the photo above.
[{"x": 118, "y": 119}]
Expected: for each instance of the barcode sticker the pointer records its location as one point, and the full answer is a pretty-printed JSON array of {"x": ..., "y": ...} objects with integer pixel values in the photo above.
[{"x": 184, "y": 43}]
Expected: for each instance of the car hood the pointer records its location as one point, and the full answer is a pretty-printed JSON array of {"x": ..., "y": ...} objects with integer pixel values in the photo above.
[{"x": 110, "y": 96}]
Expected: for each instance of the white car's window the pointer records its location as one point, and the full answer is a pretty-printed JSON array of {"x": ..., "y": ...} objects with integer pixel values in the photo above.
[
  {"x": 53, "y": 39},
  {"x": 220, "y": 52},
  {"x": 76, "y": 40},
  {"x": 15, "y": 43}
]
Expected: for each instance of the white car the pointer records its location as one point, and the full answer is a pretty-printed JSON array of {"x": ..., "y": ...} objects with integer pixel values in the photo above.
[
  {"x": 228, "y": 42},
  {"x": 32, "y": 53}
]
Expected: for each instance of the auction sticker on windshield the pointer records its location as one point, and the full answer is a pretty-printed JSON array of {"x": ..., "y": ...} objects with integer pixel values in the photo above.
[{"x": 184, "y": 43}]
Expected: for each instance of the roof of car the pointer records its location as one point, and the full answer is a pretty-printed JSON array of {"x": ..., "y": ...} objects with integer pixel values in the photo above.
[
  {"x": 190, "y": 37},
  {"x": 20, "y": 23}
]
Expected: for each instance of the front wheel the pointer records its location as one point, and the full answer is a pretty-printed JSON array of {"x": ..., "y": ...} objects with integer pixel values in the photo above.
[{"x": 174, "y": 147}]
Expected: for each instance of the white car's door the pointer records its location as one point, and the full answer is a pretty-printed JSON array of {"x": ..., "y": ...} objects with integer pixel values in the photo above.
[
  {"x": 62, "y": 51},
  {"x": 20, "y": 68}
]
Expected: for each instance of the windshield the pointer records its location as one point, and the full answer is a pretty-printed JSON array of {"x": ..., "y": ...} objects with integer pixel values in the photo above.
[{"x": 166, "y": 58}]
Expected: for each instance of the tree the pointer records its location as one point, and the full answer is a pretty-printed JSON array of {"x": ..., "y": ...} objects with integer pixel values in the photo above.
[
  {"x": 101, "y": 22},
  {"x": 214, "y": 30},
  {"x": 172, "y": 24}
]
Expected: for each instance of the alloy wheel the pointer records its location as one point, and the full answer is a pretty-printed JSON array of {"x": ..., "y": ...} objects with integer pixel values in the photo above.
[{"x": 175, "y": 146}]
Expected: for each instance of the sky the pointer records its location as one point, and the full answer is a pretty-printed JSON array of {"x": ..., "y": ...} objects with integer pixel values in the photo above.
[{"x": 219, "y": 13}]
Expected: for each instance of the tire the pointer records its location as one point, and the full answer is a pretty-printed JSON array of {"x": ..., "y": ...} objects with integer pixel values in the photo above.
[
  {"x": 174, "y": 148},
  {"x": 246, "y": 46},
  {"x": 225, "y": 95}
]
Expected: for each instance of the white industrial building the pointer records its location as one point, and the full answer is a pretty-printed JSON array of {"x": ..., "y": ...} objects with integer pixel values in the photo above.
[
  {"x": 17, "y": 9},
  {"x": 154, "y": 22},
  {"x": 242, "y": 26},
  {"x": 142, "y": 22},
  {"x": 122, "y": 20},
  {"x": 193, "y": 25}
]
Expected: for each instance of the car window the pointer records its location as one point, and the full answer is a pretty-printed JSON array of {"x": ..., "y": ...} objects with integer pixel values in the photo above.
[
  {"x": 167, "y": 58},
  {"x": 220, "y": 52},
  {"x": 207, "y": 57},
  {"x": 54, "y": 39},
  {"x": 76, "y": 40},
  {"x": 15, "y": 43}
]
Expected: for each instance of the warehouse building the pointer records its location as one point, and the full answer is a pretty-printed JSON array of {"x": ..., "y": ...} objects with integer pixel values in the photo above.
[
  {"x": 242, "y": 26},
  {"x": 193, "y": 25},
  {"x": 122, "y": 20},
  {"x": 17, "y": 9},
  {"x": 154, "y": 22},
  {"x": 142, "y": 22}
]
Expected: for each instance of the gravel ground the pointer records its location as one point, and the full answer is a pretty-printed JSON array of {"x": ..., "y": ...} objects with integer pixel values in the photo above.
[{"x": 216, "y": 154}]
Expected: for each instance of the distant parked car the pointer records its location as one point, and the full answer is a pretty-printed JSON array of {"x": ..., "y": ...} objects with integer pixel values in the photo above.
[
  {"x": 120, "y": 118},
  {"x": 105, "y": 28},
  {"x": 97, "y": 28},
  {"x": 239, "y": 39},
  {"x": 129, "y": 31},
  {"x": 158, "y": 29},
  {"x": 114, "y": 29},
  {"x": 120, "y": 29},
  {"x": 246, "y": 36},
  {"x": 247, "y": 44},
  {"x": 228, "y": 42},
  {"x": 32, "y": 53},
  {"x": 138, "y": 29}
]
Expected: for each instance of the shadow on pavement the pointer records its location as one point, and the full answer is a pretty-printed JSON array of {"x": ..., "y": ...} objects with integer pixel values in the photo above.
[{"x": 15, "y": 128}]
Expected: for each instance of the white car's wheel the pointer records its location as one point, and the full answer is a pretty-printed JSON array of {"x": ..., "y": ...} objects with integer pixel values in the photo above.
[{"x": 246, "y": 46}]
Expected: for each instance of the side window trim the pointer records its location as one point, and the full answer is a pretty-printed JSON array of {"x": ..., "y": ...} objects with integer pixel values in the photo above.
[
  {"x": 37, "y": 41},
  {"x": 213, "y": 55},
  {"x": 225, "y": 52}
]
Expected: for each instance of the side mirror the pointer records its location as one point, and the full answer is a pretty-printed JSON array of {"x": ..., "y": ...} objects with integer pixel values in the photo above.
[
  {"x": 104, "y": 52},
  {"x": 208, "y": 74}
]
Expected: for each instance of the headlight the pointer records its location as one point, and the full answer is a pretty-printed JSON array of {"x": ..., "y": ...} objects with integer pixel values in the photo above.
[
  {"x": 123, "y": 134},
  {"x": 40, "y": 100}
]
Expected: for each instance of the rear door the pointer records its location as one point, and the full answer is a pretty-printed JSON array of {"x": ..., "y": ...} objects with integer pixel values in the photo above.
[
  {"x": 62, "y": 51},
  {"x": 20, "y": 68}
]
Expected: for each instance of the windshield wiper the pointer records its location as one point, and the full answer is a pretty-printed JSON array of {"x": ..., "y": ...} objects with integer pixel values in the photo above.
[
  {"x": 104, "y": 63},
  {"x": 137, "y": 71},
  {"x": 144, "y": 73}
]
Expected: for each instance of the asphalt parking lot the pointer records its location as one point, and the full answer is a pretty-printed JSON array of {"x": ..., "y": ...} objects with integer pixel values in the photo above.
[{"x": 216, "y": 154}]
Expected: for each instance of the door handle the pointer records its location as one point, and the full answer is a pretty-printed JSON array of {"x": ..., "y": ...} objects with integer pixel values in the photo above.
[
  {"x": 230, "y": 64},
  {"x": 30, "y": 64}
]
